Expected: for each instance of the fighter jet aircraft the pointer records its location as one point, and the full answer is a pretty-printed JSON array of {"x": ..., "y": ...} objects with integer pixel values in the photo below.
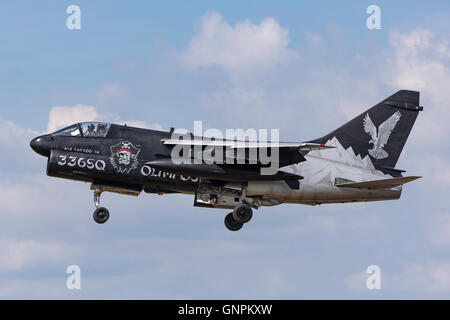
[{"x": 353, "y": 163}]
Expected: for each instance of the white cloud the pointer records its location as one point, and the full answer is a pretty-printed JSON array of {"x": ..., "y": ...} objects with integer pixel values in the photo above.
[
  {"x": 314, "y": 39},
  {"x": 14, "y": 141},
  {"x": 34, "y": 188},
  {"x": 436, "y": 169},
  {"x": 111, "y": 91},
  {"x": 440, "y": 229},
  {"x": 141, "y": 124},
  {"x": 276, "y": 285},
  {"x": 420, "y": 60},
  {"x": 243, "y": 48},
  {"x": 62, "y": 116},
  {"x": 357, "y": 281},
  {"x": 432, "y": 277},
  {"x": 424, "y": 279},
  {"x": 16, "y": 255},
  {"x": 12, "y": 135}
]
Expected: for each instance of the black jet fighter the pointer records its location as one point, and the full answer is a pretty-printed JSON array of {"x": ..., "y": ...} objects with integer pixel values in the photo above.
[{"x": 354, "y": 163}]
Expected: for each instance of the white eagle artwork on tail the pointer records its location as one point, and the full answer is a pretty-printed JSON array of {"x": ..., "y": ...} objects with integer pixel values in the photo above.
[{"x": 384, "y": 131}]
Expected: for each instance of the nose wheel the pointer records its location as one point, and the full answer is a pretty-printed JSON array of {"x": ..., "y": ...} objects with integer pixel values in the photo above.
[{"x": 101, "y": 214}]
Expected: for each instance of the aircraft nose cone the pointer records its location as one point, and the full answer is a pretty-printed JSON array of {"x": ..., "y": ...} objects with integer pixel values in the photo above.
[{"x": 42, "y": 145}]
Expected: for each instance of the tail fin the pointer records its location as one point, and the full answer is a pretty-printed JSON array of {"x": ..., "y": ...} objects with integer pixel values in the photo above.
[{"x": 382, "y": 131}]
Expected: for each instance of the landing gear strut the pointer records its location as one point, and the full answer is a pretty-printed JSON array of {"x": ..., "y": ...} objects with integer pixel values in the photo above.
[
  {"x": 240, "y": 215},
  {"x": 101, "y": 214}
]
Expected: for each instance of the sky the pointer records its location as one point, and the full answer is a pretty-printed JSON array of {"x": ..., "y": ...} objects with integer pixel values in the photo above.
[{"x": 302, "y": 67}]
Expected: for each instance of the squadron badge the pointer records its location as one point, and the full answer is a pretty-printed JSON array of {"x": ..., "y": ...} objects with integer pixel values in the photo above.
[{"x": 124, "y": 157}]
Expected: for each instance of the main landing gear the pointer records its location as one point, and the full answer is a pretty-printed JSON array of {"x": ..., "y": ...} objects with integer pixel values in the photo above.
[
  {"x": 101, "y": 214},
  {"x": 240, "y": 215}
]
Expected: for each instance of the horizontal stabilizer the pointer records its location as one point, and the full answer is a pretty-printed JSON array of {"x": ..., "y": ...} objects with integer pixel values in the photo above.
[{"x": 379, "y": 184}]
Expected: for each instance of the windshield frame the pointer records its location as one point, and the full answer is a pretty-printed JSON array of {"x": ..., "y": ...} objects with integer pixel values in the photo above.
[
  {"x": 64, "y": 132},
  {"x": 96, "y": 129}
]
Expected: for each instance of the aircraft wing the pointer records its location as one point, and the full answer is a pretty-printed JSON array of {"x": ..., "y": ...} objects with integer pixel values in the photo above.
[
  {"x": 246, "y": 144},
  {"x": 289, "y": 152}
]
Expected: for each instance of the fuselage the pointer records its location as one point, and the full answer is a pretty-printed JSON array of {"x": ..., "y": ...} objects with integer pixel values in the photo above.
[{"x": 121, "y": 158}]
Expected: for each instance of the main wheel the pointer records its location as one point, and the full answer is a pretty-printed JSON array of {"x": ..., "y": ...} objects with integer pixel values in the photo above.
[
  {"x": 232, "y": 224},
  {"x": 101, "y": 215},
  {"x": 242, "y": 213}
]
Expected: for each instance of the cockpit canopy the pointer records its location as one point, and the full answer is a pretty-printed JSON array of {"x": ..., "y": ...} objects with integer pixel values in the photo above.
[
  {"x": 94, "y": 129},
  {"x": 85, "y": 129}
]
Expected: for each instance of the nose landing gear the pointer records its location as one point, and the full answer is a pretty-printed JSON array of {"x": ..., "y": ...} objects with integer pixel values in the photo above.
[
  {"x": 101, "y": 214},
  {"x": 240, "y": 215}
]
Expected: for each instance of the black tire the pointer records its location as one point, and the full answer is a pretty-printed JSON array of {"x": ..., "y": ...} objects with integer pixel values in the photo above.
[
  {"x": 242, "y": 213},
  {"x": 232, "y": 224},
  {"x": 101, "y": 215}
]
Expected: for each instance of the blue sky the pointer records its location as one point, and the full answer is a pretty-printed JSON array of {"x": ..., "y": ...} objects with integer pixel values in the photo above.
[{"x": 303, "y": 67}]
